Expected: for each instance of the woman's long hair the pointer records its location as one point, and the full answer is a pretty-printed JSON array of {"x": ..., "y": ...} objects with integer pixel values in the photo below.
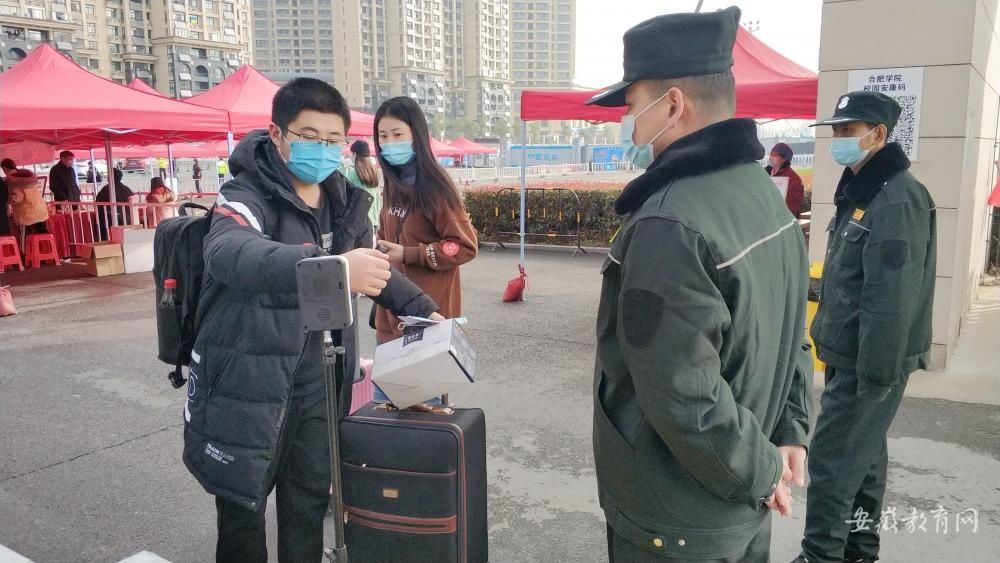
[
  {"x": 365, "y": 168},
  {"x": 434, "y": 189}
]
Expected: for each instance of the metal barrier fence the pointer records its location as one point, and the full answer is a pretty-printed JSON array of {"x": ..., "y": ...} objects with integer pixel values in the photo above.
[
  {"x": 555, "y": 220},
  {"x": 75, "y": 225},
  {"x": 501, "y": 172}
]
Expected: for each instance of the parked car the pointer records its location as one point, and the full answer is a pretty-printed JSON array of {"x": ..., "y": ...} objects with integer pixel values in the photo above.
[{"x": 135, "y": 165}]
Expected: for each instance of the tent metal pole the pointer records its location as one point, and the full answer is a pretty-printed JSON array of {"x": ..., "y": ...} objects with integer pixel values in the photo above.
[
  {"x": 93, "y": 161},
  {"x": 171, "y": 173},
  {"x": 524, "y": 181},
  {"x": 230, "y": 143},
  {"x": 112, "y": 187}
]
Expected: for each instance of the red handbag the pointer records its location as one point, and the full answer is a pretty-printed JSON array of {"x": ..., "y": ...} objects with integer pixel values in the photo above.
[
  {"x": 7, "y": 307},
  {"x": 515, "y": 287}
]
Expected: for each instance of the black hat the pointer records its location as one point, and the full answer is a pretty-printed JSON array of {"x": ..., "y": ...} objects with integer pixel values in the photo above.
[
  {"x": 360, "y": 148},
  {"x": 869, "y": 107},
  {"x": 675, "y": 46},
  {"x": 784, "y": 150}
]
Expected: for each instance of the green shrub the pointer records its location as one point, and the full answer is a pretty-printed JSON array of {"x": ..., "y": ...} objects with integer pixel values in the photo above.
[{"x": 550, "y": 211}]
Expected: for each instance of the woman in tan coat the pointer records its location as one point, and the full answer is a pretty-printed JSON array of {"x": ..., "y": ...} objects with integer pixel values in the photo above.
[
  {"x": 424, "y": 227},
  {"x": 27, "y": 205}
]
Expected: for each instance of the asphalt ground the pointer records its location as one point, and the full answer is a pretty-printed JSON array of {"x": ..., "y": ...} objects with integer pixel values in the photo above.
[{"x": 90, "y": 431}]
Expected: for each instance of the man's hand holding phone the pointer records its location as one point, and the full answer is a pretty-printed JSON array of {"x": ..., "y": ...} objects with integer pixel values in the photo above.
[{"x": 369, "y": 271}]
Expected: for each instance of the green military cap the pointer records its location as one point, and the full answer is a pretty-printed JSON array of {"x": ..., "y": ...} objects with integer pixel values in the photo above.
[
  {"x": 869, "y": 107},
  {"x": 675, "y": 46}
]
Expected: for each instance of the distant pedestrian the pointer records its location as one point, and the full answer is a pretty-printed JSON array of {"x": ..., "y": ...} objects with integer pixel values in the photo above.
[
  {"x": 779, "y": 165},
  {"x": 8, "y": 167},
  {"x": 196, "y": 174},
  {"x": 62, "y": 178},
  {"x": 159, "y": 193},
  {"x": 364, "y": 174},
  {"x": 223, "y": 168},
  {"x": 93, "y": 175}
]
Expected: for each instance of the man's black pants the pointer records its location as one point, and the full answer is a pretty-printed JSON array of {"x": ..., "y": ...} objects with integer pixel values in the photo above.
[
  {"x": 302, "y": 478},
  {"x": 621, "y": 550},
  {"x": 848, "y": 460}
]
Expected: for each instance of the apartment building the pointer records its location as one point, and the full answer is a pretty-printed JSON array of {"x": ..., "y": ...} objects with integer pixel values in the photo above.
[
  {"x": 543, "y": 55},
  {"x": 451, "y": 56},
  {"x": 180, "y": 47}
]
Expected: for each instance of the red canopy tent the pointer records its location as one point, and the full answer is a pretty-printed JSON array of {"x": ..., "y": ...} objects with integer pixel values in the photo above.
[
  {"x": 440, "y": 148},
  {"x": 470, "y": 147},
  {"x": 768, "y": 85},
  {"x": 182, "y": 150},
  {"x": 246, "y": 96},
  {"x": 49, "y": 98},
  {"x": 140, "y": 85}
]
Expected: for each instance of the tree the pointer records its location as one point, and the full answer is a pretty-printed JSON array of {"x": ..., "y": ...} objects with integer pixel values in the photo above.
[
  {"x": 501, "y": 128},
  {"x": 437, "y": 124},
  {"x": 534, "y": 130},
  {"x": 566, "y": 133}
]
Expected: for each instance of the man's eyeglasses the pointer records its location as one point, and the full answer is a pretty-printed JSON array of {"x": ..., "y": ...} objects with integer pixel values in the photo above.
[{"x": 315, "y": 139}]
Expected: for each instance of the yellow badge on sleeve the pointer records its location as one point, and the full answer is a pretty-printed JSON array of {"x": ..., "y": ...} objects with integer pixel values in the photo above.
[{"x": 858, "y": 214}]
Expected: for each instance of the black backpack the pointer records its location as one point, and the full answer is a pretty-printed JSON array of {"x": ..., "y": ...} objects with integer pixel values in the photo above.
[{"x": 178, "y": 253}]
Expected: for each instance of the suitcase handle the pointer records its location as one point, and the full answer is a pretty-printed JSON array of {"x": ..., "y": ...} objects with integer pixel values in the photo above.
[{"x": 420, "y": 407}]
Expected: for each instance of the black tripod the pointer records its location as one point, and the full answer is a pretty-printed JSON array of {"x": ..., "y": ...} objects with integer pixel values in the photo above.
[{"x": 335, "y": 369}]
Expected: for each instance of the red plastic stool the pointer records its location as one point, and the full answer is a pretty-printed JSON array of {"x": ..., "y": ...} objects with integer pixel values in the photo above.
[
  {"x": 9, "y": 254},
  {"x": 41, "y": 248}
]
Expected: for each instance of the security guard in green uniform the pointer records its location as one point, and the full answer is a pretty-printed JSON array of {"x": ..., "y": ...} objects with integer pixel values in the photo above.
[
  {"x": 873, "y": 326},
  {"x": 701, "y": 390}
]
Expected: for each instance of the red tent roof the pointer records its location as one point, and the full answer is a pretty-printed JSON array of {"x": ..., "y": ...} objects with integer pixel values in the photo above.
[
  {"x": 138, "y": 84},
  {"x": 470, "y": 147},
  {"x": 246, "y": 95},
  {"x": 768, "y": 85},
  {"x": 565, "y": 104},
  {"x": 180, "y": 150},
  {"x": 440, "y": 148},
  {"x": 49, "y": 98}
]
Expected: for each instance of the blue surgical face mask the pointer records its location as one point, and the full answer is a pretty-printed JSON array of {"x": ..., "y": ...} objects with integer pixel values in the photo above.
[
  {"x": 313, "y": 162},
  {"x": 847, "y": 151},
  {"x": 397, "y": 153},
  {"x": 639, "y": 155}
]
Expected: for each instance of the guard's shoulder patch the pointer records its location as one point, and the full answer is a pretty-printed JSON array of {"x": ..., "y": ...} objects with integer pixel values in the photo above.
[
  {"x": 642, "y": 312},
  {"x": 895, "y": 253}
]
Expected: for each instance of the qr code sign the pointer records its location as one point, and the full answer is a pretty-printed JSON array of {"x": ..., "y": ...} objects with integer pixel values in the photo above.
[{"x": 905, "y": 131}]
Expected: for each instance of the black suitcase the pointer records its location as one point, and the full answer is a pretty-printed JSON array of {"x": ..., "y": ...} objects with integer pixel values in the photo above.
[{"x": 414, "y": 486}]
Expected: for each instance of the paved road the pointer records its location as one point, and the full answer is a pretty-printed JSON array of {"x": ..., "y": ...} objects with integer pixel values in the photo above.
[{"x": 90, "y": 432}]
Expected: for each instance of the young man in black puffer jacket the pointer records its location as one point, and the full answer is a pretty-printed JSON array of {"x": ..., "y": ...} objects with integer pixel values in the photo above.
[{"x": 256, "y": 410}]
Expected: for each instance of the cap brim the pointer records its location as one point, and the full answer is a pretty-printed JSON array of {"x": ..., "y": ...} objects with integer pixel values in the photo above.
[
  {"x": 836, "y": 121},
  {"x": 611, "y": 97}
]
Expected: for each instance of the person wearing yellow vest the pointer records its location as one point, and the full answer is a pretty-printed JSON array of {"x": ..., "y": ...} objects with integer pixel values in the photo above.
[
  {"x": 223, "y": 168},
  {"x": 163, "y": 167}
]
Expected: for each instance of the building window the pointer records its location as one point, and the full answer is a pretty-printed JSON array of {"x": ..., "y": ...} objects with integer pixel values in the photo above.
[
  {"x": 91, "y": 29},
  {"x": 91, "y": 10}
]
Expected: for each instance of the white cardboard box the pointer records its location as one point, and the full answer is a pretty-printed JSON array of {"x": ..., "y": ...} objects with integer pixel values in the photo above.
[
  {"x": 424, "y": 363},
  {"x": 137, "y": 249}
]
